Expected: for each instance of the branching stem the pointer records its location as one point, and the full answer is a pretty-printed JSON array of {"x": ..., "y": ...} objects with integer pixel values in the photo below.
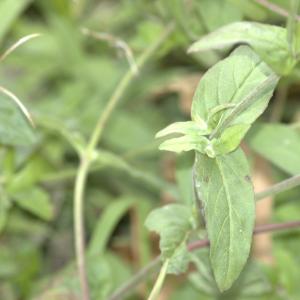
[{"x": 87, "y": 156}]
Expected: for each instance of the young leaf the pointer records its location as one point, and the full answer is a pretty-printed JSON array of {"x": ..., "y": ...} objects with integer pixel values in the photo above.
[
  {"x": 226, "y": 83},
  {"x": 263, "y": 38},
  {"x": 173, "y": 223},
  {"x": 230, "y": 139},
  {"x": 185, "y": 143},
  {"x": 188, "y": 127},
  {"x": 224, "y": 186}
]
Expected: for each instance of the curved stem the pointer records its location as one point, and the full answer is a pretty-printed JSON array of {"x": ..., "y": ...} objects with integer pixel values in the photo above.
[
  {"x": 122, "y": 87},
  {"x": 87, "y": 156}
]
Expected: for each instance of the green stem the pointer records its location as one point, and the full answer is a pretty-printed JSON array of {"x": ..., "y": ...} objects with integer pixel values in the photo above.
[
  {"x": 279, "y": 187},
  {"x": 159, "y": 282},
  {"x": 88, "y": 156},
  {"x": 122, "y": 87},
  {"x": 261, "y": 89},
  {"x": 79, "y": 236}
]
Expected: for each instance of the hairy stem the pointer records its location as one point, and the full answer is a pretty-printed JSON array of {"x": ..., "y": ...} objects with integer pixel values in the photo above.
[
  {"x": 132, "y": 283},
  {"x": 87, "y": 156}
]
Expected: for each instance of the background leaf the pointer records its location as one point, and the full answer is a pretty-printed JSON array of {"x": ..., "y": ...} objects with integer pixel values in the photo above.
[
  {"x": 264, "y": 39},
  {"x": 36, "y": 201},
  {"x": 14, "y": 128},
  {"x": 278, "y": 143}
]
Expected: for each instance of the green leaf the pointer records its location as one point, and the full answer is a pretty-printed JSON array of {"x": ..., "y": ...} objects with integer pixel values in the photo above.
[
  {"x": 185, "y": 143},
  {"x": 189, "y": 127},
  {"x": 264, "y": 39},
  {"x": 224, "y": 186},
  {"x": 251, "y": 283},
  {"x": 36, "y": 201},
  {"x": 218, "y": 13},
  {"x": 106, "y": 224},
  {"x": 230, "y": 139},
  {"x": 173, "y": 223},
  {"x": 29, "y": 175},
  {"x": 14, "y": 128},
  {"x": 226, "y": 83},
  {"x": 184, "y": 178},
  {"x": 10, "y": 10},
  {"x": 278, "y": 143}
]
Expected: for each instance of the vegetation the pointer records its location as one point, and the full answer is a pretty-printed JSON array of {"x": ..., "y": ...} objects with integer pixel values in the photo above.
[{"x": 91, "y": 91}]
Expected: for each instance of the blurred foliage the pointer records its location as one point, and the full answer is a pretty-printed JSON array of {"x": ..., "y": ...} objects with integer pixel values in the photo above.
[{"x": 65, "y": 78}]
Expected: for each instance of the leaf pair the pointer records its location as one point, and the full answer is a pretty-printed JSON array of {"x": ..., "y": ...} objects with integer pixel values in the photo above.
[{"x": 229, "y": 98}]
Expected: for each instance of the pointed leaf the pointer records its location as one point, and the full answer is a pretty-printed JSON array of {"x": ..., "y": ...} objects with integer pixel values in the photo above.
[
  {"x": 189, "y": 127},
  {"x": 36, "y": 201},
  {"x": 185, "y": 143},
  {"x": 223, "y": 185},
  {"x": 227, "y": 83}
]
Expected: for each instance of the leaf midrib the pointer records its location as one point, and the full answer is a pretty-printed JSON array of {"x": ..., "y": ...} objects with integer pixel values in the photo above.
[{"x": 219, "y": 165}]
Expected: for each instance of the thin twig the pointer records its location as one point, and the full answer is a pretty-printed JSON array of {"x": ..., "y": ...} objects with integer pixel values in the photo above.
[
  {"x": 19, "y": 104},
  {"x": 17, "y": 44},
  {"x": 152, "y": 267},
  {"x": 88, "y": 155},
  {"x": 275, "y": 8},
  {"x": 116, "y": 42},
  {"x": 279, "y": 187},
  {"x": 122, "y": 87}
]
